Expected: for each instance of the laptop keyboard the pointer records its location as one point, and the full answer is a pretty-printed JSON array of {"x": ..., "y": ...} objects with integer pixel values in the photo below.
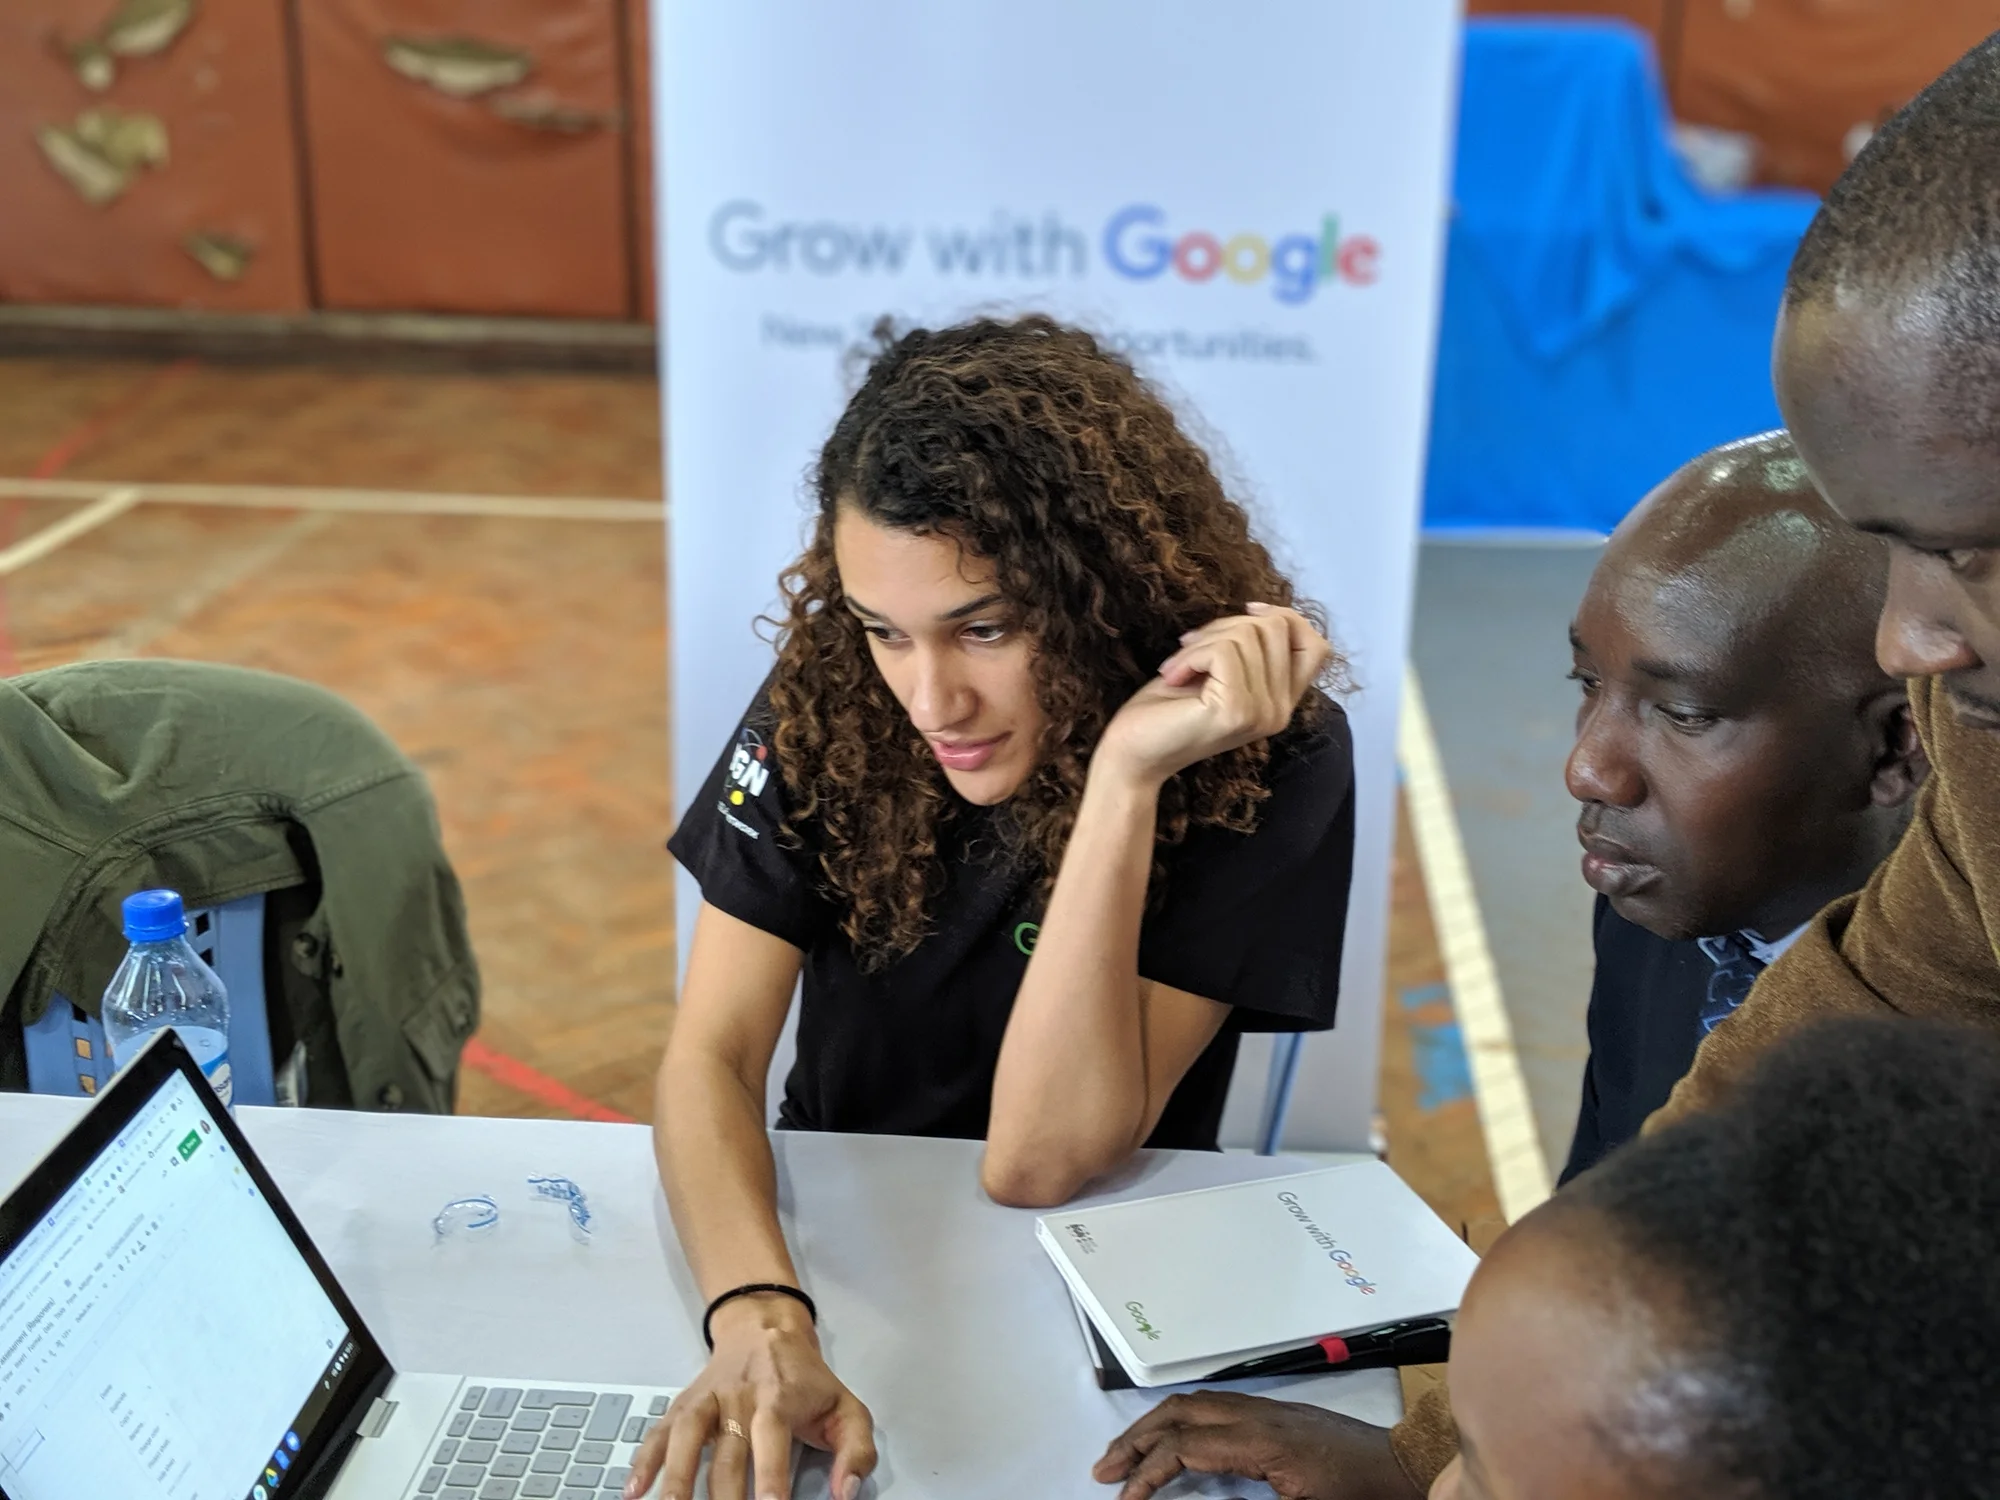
[{"x": 531, "y": 1443}]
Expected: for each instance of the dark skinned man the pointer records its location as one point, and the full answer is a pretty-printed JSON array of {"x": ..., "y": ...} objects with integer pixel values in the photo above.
[
  {"x": 1740, "y": 760},
  {"x": 1888, "y": 372}
]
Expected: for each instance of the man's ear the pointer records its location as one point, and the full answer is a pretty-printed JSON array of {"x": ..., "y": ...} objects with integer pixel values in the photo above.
[{"x": 1900, "y": 762}]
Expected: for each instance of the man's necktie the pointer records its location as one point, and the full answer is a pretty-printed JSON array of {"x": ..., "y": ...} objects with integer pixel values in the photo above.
[{"x": 1736, "y": 969}]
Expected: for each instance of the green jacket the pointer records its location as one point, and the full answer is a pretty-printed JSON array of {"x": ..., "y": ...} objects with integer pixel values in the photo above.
[{"x": 221, "y": 783}]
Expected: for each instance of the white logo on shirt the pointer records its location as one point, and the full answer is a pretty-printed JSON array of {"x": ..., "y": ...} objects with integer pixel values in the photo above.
[{"x": 749, "y": 766}]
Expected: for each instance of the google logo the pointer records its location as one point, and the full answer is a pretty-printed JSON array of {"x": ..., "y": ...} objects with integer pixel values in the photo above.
[{"x": 1137, "y": 244}]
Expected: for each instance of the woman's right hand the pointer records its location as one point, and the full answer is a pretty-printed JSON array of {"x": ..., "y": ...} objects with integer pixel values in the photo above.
[
  {"x": 766, "y": 1384},
  {"x": 1234, "y": 680}
]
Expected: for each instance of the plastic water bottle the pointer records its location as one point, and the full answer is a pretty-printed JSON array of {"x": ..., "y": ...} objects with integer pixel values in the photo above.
[{"x": 163, "y": 982}]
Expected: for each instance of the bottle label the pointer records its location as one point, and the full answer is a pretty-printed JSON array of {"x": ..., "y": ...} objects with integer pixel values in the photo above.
[{"x": 216, "y": 1071}]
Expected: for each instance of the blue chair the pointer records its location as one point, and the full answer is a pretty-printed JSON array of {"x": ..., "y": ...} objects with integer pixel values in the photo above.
[{"x": 67, "y": 1053}]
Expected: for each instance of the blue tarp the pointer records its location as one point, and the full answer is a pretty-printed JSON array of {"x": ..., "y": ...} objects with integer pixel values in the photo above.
[{"x": 1605, "y": 320}]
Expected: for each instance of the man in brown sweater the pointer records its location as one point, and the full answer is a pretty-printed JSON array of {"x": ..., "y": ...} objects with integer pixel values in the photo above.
[{"x": 1888, "y": 372}]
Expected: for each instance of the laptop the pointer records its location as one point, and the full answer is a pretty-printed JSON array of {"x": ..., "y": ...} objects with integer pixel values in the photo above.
[{"x": 168, "y": 1332}]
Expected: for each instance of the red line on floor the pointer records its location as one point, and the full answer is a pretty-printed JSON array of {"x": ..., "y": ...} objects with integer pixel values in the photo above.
[
  {"x": 518, "y": 1076},
  {"x": 93, "y": 427},
  {"x": 61, "y": 454}
]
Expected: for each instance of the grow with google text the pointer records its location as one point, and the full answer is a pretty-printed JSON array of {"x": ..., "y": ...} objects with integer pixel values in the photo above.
[{"x": 1140, "y": 242}]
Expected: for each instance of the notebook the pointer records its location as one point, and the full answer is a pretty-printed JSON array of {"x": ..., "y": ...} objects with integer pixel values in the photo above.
[
  {"x": 1104, "y": 1366},
  {"x": 1183, "y": 1286}
]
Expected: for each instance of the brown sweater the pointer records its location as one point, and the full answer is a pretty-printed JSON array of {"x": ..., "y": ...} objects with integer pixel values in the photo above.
[{"x": 1918, "y": 940}]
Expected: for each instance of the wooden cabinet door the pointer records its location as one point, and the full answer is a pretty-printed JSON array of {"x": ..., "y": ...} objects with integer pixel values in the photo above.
[
  {"x": 1801, "y": 75},
  {"x": 469, "y": 155},
  {"x": 1648, "y": 15},
  {"x": 174, "y": 181},
  {"x": 645, "y": 165}
]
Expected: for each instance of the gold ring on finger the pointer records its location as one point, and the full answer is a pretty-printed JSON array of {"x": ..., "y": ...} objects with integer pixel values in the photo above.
[{"x": 734, "y": 1428}]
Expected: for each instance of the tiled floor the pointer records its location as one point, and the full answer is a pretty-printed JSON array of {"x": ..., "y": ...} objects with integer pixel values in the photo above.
[
  {"x": 502, "y": 434},
  {"x": 1490, "y": 643},
  {"x": 1427, "y": 1101},
  {"x": 522, "y": 663}
]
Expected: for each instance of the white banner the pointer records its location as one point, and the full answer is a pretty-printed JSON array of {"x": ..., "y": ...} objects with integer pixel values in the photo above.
[{"x": 1248, "y": 199}]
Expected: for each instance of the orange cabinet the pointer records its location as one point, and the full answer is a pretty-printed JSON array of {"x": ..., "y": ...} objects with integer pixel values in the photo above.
[
  {"x": 470, "y": 155},
  {"x": 638, "y": 84},
  {"x": 1648, "y": 15},
  {"x": 1808, "y": 78},
  {"x": 147, "y": 155},
  {"x": 1805, "y": 78}
]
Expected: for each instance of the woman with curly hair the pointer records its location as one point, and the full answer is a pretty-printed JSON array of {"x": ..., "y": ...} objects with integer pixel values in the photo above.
[{"x": 1042, "y": 800}]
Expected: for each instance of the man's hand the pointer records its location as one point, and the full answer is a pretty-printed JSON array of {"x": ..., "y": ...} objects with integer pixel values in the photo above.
[{"x": 1302, "y": 1452}]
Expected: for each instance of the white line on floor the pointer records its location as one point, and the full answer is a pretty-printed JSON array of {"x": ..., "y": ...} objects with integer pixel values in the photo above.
[
  {"x": 1513, "y": 1147},
  {"x": 107, "y": 506},
  {"x": 362, "y": 502}
]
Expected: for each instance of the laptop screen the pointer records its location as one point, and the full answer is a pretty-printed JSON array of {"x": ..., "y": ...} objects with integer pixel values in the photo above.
[{"x": 161, "y": 1335}]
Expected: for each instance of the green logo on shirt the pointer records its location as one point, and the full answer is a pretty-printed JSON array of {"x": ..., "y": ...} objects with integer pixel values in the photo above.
[{"x": 1025, "y": 935}]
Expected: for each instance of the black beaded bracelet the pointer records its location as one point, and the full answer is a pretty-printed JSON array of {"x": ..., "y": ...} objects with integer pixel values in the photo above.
[{"x": 753, "y": 1289}]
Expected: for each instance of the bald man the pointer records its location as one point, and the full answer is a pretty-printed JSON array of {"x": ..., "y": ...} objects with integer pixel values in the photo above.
[
  {"x": 1740, "y": 758},
  {"x": 1741, "y": 761}
]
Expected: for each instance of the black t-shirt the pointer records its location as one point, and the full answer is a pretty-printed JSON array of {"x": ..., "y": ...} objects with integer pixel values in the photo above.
[{"x": 1252, "y": 920}]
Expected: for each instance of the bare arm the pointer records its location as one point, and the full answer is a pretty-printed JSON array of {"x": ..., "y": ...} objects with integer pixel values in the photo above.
[
  {"x": 1092, "y": 1052},
  {"x": 708, "y": 1130},
  {"x": 766, "y": 1375}
]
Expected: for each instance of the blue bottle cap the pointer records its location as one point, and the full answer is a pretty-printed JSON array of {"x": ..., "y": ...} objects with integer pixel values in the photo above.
[{"x": 154, "y": 916}]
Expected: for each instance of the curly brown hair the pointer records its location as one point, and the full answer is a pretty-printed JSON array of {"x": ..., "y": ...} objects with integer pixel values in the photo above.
[{"x": 1034, "y": 447}]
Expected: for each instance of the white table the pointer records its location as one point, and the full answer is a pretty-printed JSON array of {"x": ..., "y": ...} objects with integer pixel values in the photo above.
[{"x": 937, "y": 1307}]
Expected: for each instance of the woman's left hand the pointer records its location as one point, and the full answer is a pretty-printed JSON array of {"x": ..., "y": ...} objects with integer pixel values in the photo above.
[{"x": 1234, "y": 680}]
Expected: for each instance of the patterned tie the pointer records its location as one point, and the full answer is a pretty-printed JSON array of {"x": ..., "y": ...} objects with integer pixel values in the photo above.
[{"x": 1736, "y": 969}]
